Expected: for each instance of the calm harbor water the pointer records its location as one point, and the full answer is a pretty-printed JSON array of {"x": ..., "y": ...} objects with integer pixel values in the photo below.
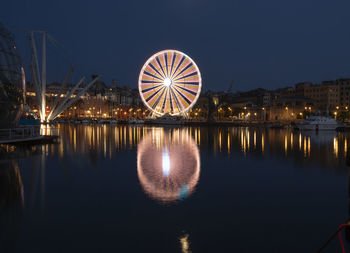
[{"x": 188, "y": 189}]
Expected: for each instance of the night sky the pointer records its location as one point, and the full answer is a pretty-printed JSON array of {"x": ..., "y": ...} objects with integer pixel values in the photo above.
[{"x": 268, "y": 44}]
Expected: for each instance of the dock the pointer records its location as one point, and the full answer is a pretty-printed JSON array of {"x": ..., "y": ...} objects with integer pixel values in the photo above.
[{"x": 25, "y": 135}]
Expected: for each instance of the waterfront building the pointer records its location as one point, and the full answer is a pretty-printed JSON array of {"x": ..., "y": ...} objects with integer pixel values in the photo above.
[
  {"x": 291, "y": 108},
  {"x": 99, "y": 101},
  {"x": 344, "y": 91},
  {"x": 123, "y": 102},
  {"x": 324, "y": 95}
]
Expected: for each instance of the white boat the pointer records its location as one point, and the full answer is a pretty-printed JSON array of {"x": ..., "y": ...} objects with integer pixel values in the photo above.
[
  {"x": 85, "y": 121},
  {"x": 318, "y": 123}
]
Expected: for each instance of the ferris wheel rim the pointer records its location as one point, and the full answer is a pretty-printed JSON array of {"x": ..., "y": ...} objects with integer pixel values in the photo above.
[{"x": 183, "y": 111}]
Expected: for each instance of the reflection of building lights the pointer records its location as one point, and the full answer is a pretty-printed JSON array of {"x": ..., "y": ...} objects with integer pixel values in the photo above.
[{"x": 335, "y": 146}]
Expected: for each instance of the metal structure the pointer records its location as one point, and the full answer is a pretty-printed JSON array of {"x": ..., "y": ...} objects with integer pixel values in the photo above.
[
  {"x": 11, "y": 80},
  {"x": 169, "y": 83},
  {"x": 62, "y": 101}
]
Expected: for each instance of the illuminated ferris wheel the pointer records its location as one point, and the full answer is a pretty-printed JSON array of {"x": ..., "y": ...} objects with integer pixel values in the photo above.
[{"x": 169, "y": 83}]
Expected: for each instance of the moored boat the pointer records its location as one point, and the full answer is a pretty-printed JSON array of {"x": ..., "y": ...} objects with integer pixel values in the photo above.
[{"x": 318, "y": 123}]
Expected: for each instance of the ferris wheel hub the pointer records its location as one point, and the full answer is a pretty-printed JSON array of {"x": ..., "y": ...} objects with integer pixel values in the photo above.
[{"x": 167, "y": 82}]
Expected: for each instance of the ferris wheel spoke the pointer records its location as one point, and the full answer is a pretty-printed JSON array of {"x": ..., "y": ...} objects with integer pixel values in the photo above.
[
  {"x": 172, "y": 63},
  {"x": 171, "y": 102},
  {"x": 177, "y": 103},
  {"x": 187, "y": 83},
  {"x": 164, "y": 100},
  {"x": 166, "y": 63},
  {"x": 153, "y": 94},
  {"x": 183, "y": 70},
  {"x": 178, "y": 65},
  {"x": 148, "y": 82},
  {"x": 156, "y": 102},
  {"x": 186, "y": 76},
  {"x": 152, "y": 75},
  {"x": 182, "y": 96},
  {"x": 151, "y": 88},
  {"x": 161, "y": 66},
  {"x": 187, "y": 90},
  {"x": 155, "y": 69},
  {"x": 182, "y": 102}
]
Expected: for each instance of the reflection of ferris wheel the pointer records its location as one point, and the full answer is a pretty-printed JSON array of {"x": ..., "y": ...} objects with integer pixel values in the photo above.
[
  {"x": 169, "y": 83},
  {"x": 168, "y": 164}
]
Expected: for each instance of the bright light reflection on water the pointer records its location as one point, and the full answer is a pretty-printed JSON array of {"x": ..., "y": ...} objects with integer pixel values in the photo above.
[{"x": 107, "y": 187}]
